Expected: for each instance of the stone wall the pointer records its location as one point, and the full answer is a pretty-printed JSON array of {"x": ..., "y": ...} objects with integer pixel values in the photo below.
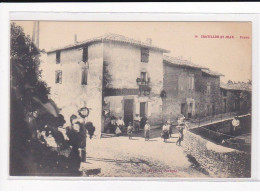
[{"x": 217, "y": 161}]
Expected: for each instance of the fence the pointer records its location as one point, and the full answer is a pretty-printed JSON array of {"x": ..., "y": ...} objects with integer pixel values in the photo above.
[
  {"x": 212, "y": 118},
  {"x": 221, "y": 133}
]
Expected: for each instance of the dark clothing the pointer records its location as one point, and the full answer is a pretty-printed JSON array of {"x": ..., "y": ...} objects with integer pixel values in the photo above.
[
  {"x": 165, "y": 135},
  {"x": 76, "y": 140},
  {"x": 143, "y": 122},
  {"x": 180, "y": 138},
  {"x": 170, "y": 130},
  {"x": 137, "y": 125}
]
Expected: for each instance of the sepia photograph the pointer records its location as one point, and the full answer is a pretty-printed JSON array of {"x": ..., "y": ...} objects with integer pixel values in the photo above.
[{"x": 139, "y": 99}]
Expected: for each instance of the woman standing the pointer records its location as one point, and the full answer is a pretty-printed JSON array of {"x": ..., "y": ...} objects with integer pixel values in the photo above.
[
  {"x": 147, "y": 129},
  {"x": 165, "y": 132}
]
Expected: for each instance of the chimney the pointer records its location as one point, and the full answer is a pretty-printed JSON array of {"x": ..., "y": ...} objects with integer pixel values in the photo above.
[
  {"x": 148, "y": 40},
  {"x": 75, "y": 39}
]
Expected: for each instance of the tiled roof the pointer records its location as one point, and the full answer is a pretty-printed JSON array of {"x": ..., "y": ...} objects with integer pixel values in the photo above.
[
  {"x": 181, "y": 62},
  {"x": 112, "y": 37},
  {"x": 236, "y": 86},
  {"x": 213, "y": 73}
]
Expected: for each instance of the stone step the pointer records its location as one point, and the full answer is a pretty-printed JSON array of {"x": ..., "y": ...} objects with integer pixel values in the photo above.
[{"x": 89, "y": 169}]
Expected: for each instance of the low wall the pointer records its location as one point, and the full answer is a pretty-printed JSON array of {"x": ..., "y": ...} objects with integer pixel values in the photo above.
[{"x": 217, "y": 160}]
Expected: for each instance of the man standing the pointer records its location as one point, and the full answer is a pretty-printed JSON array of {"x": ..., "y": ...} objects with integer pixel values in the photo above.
[{"x": 235, "y": 123}]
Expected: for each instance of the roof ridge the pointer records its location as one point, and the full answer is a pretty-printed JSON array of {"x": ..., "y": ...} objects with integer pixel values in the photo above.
[
  {"x": 112, "y": 37},
  {"x": 183, "y": 61}
]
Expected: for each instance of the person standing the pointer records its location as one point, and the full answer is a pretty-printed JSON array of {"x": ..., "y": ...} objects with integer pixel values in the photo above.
[
  {"x": 235, "y": 123},
  {"x": 180, "y": 135},
  {"x": 76, "y": 141},
  {"x": 170, "y": 128},
  {"x": 137, "y": 120},
  {"x": 121, "y": 124},
  {"x": 165, "y": 132},
  {"x": 130, "y": 130},
  {"x": 147, "y": 129}
]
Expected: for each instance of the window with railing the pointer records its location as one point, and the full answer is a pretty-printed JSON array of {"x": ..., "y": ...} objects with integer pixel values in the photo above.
[
  {"x": 143, "y": 76},
  {"x": 143, "y": 82}
]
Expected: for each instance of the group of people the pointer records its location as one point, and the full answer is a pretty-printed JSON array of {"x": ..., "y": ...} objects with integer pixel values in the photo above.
[
  {"x": 167, "y": 130},
  {"x": 147, "y": 128},
  {"x": 118, "y": 127},
  {"x": 70, "y": 143}
]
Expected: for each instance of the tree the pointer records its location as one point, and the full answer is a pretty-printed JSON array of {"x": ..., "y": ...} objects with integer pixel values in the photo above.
[{"x": 28, "y": 95}]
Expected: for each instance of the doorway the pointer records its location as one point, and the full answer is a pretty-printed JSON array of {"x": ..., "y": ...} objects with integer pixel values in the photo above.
[
  {"x": 128, "y": 111},
  {"x": 183, "y": 109},
  {"x": 142, "y": 109}
]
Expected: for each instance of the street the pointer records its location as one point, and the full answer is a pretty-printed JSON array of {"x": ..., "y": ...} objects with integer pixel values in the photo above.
[{"x": 121, "y": 157}]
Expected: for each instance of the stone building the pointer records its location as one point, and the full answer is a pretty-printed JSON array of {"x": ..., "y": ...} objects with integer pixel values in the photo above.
[
  {"x": 191, "y": 90},
  {"x": 236, "y": 97},
  {"x": 113, "y": 73},
  {"x": 123, "y": 77},
  {"x": 133, "y": 78}
]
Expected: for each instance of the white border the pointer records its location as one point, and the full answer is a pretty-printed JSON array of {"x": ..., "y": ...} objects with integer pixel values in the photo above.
[{"x": 39, "y": 12}]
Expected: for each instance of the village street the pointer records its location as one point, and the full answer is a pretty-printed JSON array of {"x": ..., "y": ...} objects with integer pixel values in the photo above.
[{"x": 121, "y": 157}]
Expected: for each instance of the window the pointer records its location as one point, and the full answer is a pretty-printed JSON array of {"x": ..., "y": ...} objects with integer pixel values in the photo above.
[
  {"x": 57, "y": 57},
  {"x": 208, "y": 88},
  {"x": 85, "y": 54},
  {"x": 143, "y": 76},
  {"x": 181, "y": 82},
  {"x": 84, "y": 76},
  {"x": 191, "y": 81},
  {"x": 144, "y": 55},
  {"x": 58, "y": 77}
]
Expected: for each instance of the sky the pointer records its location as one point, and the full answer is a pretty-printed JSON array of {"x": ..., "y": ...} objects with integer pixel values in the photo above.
[{"x": 229, "y": 56}]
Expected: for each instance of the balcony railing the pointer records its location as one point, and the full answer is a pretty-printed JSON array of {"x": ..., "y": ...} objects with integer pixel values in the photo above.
[{"x": 144, "y": 86}]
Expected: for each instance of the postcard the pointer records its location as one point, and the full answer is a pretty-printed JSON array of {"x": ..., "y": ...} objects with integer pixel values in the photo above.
[{"x": 132, "y": 99}]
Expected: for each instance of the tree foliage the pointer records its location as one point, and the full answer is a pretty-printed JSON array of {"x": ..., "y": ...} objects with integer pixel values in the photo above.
[{"x": 26, "y": 93}]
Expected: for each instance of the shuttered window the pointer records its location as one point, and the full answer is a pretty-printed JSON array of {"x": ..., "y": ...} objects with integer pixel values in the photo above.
[
  {"x": 57, "y": 57},
  {"x": 58, "y": 77},
  {"x": 84, "y": 76},
  {"x": 144, "y": 55},
  {"x": 85, "y": 54}
]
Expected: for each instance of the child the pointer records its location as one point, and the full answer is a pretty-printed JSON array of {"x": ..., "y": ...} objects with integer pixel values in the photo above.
[
  {"x": 147, "y": 129},
  {"x": 130, "y": 130}
]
